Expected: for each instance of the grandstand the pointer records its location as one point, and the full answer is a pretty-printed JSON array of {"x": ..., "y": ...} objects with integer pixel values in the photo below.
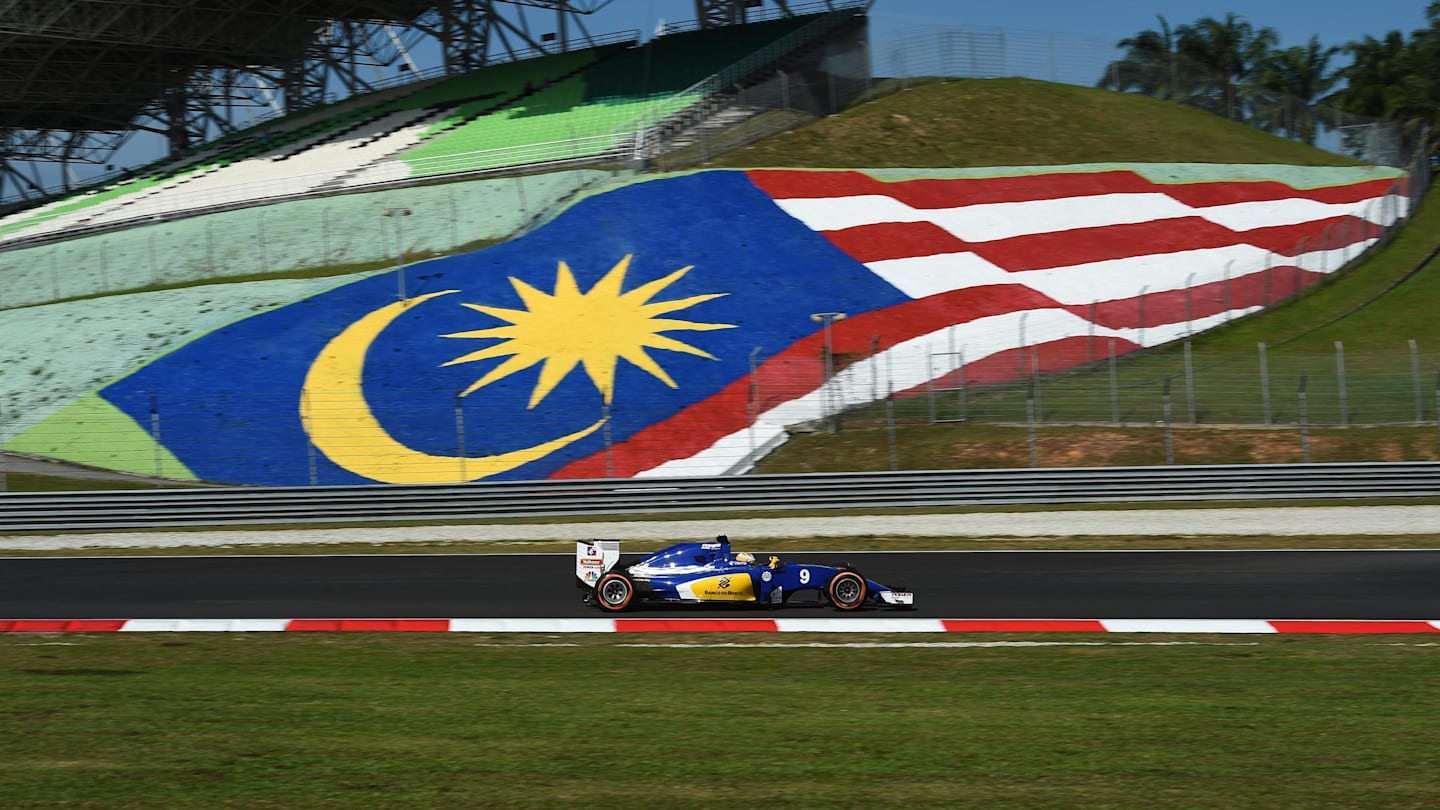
[{"x": 616, "y": 101}]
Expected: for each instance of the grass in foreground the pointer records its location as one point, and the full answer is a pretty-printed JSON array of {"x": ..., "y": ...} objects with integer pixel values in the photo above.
[{"x": 256, "y": 720}]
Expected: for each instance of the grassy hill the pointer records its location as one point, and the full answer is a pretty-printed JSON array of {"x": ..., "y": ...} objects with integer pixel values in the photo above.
[{"x": 1018, "y": 122}]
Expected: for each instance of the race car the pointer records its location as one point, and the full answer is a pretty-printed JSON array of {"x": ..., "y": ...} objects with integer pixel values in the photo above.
[{"x": 712, "y": 573}]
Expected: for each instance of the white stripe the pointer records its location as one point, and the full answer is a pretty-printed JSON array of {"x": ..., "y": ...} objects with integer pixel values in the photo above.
[
  {"x": 1274, "y": 213},
  {"x": 1187, "y": 626},
  {"x": 1108, "y": 280},
  {"x": 204, "y": 625},
  {"x": 532, "y": 625},
  {"x": 987, "y": 222},
  {"x": 860, "y": 625}
]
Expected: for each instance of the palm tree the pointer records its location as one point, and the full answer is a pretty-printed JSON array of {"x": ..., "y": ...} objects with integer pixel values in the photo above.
[
  {"x": 1295, "y": 78},
  {"x": 1150, "y": 64},
  {"x": 1228, "y": 51},
  {"x": 1377, "y": 77},
  {"x": 1398, "y": 79}
]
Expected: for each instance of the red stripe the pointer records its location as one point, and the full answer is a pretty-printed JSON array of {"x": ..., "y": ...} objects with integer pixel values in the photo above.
[
  {"x": 883, "y": 241},
  {"x": 886, "y": 241},
  {"x": 782, "y": 184},
  {"x": 386, "y": 625},
  {"x": 1023, "y": 626},
  {"x": 952, "y": 193},
  {"x": 695, "y": 626},
  {"x": 1163, "y": 308},
  {"x": 1353, "y": 627},
  {"x": 1205, "y": 195},
  {"x": 61, "y": 625}
]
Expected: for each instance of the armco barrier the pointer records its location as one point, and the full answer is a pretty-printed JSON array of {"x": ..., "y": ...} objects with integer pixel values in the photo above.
[{"x": 135, "y": 509}]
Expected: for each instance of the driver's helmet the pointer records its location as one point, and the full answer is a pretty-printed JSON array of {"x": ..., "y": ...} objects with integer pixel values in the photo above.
[{"x": 745, "y": 557}]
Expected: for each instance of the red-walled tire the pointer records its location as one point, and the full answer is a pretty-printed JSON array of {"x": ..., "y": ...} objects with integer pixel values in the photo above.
[
  {"x": 847, "y": 591},
  {"x": 614, "y": 592}
]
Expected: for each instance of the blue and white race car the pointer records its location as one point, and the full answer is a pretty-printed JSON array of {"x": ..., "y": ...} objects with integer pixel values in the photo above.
[{"x": 711, "y": 572}]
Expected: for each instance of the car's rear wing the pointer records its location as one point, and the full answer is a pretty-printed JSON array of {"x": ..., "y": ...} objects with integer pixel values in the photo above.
[{"x": 595, "y": 558}]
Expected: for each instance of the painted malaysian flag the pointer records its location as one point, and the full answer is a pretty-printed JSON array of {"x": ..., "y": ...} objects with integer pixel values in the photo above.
[
  {"x": 676, "y": 326},
  {"x": 1002, "y": 266}
]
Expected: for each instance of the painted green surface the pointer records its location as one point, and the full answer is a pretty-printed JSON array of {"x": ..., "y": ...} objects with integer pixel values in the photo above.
[{"x": 92, "y": 432}]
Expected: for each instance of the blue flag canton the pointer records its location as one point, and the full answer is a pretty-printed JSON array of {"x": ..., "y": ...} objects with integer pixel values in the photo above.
[{"x": 652, "y": 297}]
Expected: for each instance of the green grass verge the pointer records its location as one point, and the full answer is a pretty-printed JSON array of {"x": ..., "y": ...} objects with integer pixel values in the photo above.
[
  {"x": 860, "y": 445},
  {"x": 464, "y": 721}
]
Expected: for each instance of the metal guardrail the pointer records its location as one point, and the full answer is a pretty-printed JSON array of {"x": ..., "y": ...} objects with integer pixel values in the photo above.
[{"x": 139, "y": 509}]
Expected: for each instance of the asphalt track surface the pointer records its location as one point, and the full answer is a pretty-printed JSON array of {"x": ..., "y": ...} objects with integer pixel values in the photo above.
[{"x": 1364, "y": 584}]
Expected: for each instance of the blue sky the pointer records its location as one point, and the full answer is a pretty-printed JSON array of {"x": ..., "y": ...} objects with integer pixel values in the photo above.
[{"x": 1334, "y": 21}]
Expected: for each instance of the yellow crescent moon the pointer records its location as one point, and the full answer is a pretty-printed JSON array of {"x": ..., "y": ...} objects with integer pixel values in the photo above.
[{"x": 341, "y": 425}]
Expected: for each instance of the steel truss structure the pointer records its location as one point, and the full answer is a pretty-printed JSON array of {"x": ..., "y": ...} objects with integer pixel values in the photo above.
[{"x": 80, "y": 78}]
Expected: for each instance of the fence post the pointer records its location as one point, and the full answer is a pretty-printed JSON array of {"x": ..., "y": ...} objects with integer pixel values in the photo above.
[
  {"x": 155, "y": 437},
  {"x": 752, "y": 401},
  {"x": 1030, "y": 421},
  {"x": 1090, "y": 335},
  {"x": 1304, "y": 424},
  {"x": 1265, "y": 382},
  {"x": 460, "y": 433},
  {"x": 826, "y": 392},
  {"x": 311, "y": 463},
  {"x": 964, "y": 403},
  {"x": 1035, "y": 380},
  {"x": 609, "y": 443},
  {"x": 1228, "y": 304},
  {"x": 1188, "y": 279},
  {"x": 1190, "y": 382},
  {"x": 1415, "y": 377},
  {"x": 890, "y": 412},
  {"x": 1437, "y": 411},
  {"x": 1114, "y": 386},
  {"x": 1165, "y": 413},
  {"x": 1140, "y": 305},
  {"x": 1340, "y": 378},
  {"x": 930, "y": 387},
  {"x": 1020, "y": 365},
  {"x": 874, "y": 367}
]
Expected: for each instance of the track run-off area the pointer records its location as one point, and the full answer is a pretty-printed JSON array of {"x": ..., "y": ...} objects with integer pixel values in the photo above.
[
  {"x": 1370, "y": 590},
  {"x": 1061, "y": 591}
]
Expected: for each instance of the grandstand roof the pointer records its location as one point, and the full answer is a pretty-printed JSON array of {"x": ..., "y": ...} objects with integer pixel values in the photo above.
[{"x": 95, "y": 64}]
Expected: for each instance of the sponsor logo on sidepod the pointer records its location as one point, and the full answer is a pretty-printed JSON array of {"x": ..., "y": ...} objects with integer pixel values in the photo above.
[{"x": 724, "y": 588}]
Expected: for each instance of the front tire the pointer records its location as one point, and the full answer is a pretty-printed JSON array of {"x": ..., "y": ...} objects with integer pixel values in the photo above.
[
  {"x": 847, "y": 591},
  {"x": 614, "y": 592}
]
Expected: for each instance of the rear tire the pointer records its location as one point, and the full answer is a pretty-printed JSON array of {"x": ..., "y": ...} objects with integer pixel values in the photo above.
[
  {"x": 614, "y": 592},
  {"x": 847, "y": 591}
]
